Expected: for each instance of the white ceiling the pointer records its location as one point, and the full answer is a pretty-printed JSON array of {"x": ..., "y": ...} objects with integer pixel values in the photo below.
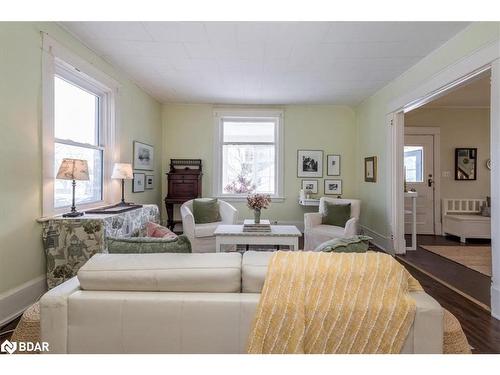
[
  {"x": 473, "y": 94},
  {"x": 263, "y": 62}
]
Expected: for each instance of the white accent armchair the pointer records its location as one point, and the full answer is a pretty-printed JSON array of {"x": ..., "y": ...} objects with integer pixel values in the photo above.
[
  {"x": 202, "y": 235},
  {"x": 316, "y": 233}
]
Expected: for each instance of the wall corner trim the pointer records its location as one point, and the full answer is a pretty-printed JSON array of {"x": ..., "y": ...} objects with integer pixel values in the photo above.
[{"x": 379, "y": 240}]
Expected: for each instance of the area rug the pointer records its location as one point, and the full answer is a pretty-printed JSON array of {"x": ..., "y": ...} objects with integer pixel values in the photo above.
[{"x": 477, "y": 258}]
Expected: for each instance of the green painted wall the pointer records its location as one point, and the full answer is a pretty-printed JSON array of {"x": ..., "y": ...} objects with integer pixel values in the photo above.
[
  {"x": 189, "y": 132},
  {"x": 139, "y": 118},
  {"x": 371, "y": 116}
]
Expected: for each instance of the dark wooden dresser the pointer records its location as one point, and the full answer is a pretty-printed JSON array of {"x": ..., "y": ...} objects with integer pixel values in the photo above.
[{"x": 184, "y": 183}]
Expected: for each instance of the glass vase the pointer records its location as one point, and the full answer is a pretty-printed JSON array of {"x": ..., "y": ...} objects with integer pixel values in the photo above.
[{"x": 256, "y": 216}]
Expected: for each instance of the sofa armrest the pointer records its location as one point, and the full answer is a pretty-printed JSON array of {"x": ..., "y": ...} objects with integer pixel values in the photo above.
[
  {"x": 228, "y": 213},
  {"x": 312, "y": 219},
  {"x": 187, "y": 221},
  {"x": 428, "y": 325},
  {"x": 54, "y": 315},
  {"x": 351, "y": 227}
]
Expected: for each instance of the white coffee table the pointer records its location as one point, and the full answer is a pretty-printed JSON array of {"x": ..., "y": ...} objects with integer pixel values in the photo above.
[{"x": 280, "y": 235}]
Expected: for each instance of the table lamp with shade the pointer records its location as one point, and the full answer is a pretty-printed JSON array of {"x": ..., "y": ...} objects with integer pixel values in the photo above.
[
  {"x": 124, "y": 172},
  {"x": 76, "y": 170}
]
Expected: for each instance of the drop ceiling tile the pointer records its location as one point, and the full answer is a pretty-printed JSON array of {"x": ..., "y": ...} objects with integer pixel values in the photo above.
[
  {"x": 221, "y": 32},
  {"x": 193, "y": 32},
  {"x": 263, "y": 62},
  {"x": 109, "y": 30}
]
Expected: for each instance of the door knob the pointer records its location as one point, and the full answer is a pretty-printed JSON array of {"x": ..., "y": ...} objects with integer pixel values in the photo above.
[{"x": 430, "y": 181}]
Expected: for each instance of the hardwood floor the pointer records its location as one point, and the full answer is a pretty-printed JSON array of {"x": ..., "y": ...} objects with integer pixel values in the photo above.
[
  {"x": 482, "y": 331},
  {"x": 466, "y": 280}
]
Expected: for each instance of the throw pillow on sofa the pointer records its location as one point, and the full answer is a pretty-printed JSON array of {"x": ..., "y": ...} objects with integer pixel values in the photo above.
[
  {"x": 354, "y": 244},
  {"x": 206, "y": 210},
  {"x": 159, "y": 231},
  {"x": 148, "y": 245},
  {"x": 336, "y": 214}
]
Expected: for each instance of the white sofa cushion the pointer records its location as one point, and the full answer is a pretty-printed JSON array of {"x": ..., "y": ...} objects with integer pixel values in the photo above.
[
  {"x": 219, "y": 272},
  {"x": 254, "y": 270},
  {"x": 206, "y": 230}
]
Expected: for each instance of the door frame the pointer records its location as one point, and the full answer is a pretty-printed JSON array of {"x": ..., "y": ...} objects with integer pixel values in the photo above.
[
  {"x": 436, "y": 133},
  {"x": 483, "y": 59}
]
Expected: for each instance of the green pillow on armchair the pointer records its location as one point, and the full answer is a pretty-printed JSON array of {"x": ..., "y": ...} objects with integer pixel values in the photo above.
[{"x": 354, "y": 244}]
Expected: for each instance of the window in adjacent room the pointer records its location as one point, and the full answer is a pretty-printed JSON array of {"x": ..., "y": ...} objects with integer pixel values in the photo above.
[
  {"x": 249, "y": 154},
  {"x": 413, "y": 161}
]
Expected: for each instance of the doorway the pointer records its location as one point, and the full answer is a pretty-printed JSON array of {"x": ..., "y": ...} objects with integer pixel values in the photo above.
[{"x": 452, "y": 212}]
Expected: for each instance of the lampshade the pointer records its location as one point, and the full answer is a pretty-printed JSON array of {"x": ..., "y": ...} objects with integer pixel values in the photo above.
[
  {"x": 73, "y": 169},
  {"x": 122, "y": 171}
]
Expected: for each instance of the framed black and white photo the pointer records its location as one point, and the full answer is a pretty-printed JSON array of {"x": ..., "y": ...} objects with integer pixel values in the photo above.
[
  {"x": 333, "y": 165},
  {"x": 143, "y": 156},
  {"x": 310, "y": 186},
  {"x": 150, "y": 180},
  {"x": 333, "y": 187},
  {"x": 138, "y": 183},
  {"x": 309, "y": 163}
]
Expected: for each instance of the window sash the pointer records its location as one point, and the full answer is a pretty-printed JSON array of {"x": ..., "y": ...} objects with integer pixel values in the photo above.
[
  {"x": 248, "y": 116},
  {"x": 73, "y": 79}
]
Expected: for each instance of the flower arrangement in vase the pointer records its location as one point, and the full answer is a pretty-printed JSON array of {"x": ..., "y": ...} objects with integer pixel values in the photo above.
[{"x": 257, "y": 202}]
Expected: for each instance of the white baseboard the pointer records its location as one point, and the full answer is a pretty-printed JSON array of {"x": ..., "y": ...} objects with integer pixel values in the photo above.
[
  {"x": 14, "y": 301},
  {"x": 495, "y": 302},
  {"x": 379, "y": 240}
]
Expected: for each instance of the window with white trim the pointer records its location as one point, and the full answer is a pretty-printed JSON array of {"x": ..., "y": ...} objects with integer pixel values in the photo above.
[
  {"x": 77, "y": 128},
  {"x": 248, "y": 153},
  {"x": 78, "y": 123}
]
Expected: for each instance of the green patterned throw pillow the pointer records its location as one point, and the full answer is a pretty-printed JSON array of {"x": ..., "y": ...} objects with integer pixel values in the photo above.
[
  {"x": 206, "y": 210},
  {"x": 354, "y": 244},
  {"x": 148, "y": 245}
]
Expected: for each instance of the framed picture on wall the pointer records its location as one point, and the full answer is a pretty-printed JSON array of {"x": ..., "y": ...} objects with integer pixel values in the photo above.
[
  {"x": 150, "y": 180},
  {"x": 309, "y": 163},
  {"x": 333, "y": 165},
  {"x": 333, "y": 187},
  {"x": 310, "y": 186},
  {"x": 143, "y": 156},
  {"x": 371, "y": 169},
  {"x": 466, "y": 164},
  {"x": 138, "y": 183}
]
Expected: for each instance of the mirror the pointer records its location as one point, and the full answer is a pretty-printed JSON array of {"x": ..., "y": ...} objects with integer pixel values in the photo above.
[{"x": 465, "y": 163}]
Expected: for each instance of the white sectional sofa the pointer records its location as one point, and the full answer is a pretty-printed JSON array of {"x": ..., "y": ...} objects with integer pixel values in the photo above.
[{"x": 177, "y": 303}]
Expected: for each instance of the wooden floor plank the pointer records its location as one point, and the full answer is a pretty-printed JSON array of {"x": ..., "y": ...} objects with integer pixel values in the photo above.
[{"x": 468, "y": 281}]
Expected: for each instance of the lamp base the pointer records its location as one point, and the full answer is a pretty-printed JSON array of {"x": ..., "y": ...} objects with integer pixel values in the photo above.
[{"x": 73, "y": 214}]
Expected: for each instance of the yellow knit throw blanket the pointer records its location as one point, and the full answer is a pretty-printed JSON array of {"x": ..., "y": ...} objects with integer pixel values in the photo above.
[{"x": 315, "y": 302}]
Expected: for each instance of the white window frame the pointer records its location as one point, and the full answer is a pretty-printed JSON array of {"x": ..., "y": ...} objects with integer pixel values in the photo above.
[
  {"x": 58, "y": 60},
  {"x": 248, "y": 115}
]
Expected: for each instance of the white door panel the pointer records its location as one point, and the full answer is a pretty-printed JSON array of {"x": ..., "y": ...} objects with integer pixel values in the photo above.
[{"x": 419, "y": 170}]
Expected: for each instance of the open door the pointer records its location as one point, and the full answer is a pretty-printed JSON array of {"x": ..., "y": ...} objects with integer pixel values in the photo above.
[{"x": 395, "y": 126}]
